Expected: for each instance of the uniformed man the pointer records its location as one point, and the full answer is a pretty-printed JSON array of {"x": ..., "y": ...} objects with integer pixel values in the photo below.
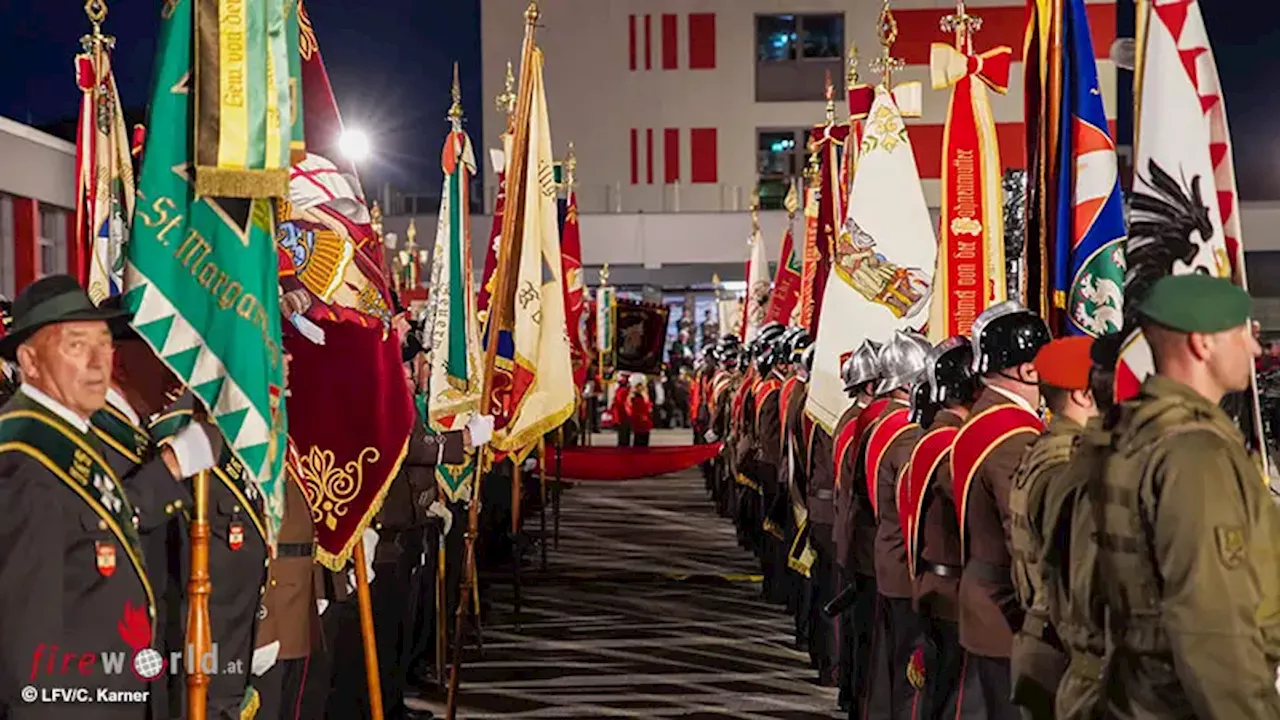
[
  {"x": 984, "y": 456},
  {"x": 1039, "y": 658},
  {"x": 889, "y": 447},
  {"x": 8, "y": 373},
  {"x": 140, "y": 388},
  {"x": 853, "y": 531},
  {"x": 1188, "y": 532},
  {"x": 1070, "y": 562},
  {"x": 72, "y": 567},
  {"x": 724, "y": 391},
  {"x": 794, "y": 481},
  {"x": 774, "y": 364},
  {"x": 934, "y": 539}
]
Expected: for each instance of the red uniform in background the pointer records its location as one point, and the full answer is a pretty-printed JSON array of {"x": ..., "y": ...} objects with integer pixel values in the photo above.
[{"x": 640, "y": 409}]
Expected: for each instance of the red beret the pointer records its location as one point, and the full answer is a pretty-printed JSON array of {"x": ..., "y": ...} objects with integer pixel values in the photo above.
[{"x": 1065, "y": 363}]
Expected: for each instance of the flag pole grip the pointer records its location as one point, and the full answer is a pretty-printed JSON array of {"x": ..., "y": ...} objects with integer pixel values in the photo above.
[
  {"x": 199, "y": 635},
  {"x": 366, "y": 631}
]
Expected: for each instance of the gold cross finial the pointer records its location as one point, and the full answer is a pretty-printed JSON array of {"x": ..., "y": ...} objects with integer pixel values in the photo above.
[
  {"x": 531, "y": 13},
  {"x": 831, "y": 100},
  {"x": 455, "y": 110},
  {"x": 813, "y": 171},
  {"x": 604, "y": 274},
  {"x": 375, "y": 220},
  {"x": 97, "y": 12},
  {"x": 570, "y": 167},
  {"x": 851, "y": 79},
  {"x": 507, "y": 98},
  {"x": 792, "y": 201},
  {"x": 412, "y": 234},
  {"x": 886, "y": 64},
  {"x": 963, "y": 25}
]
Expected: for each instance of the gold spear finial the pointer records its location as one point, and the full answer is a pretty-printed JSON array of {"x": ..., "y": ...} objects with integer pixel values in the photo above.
[
  {"x": 455, "y": 110},
  {"x": 886, "y": 64},
  {"x": 963, "y": 25},
  {"x": 851, "y": 78},
  {"x": 507, "y": 98},
  {"x": 830, "y": 91},
  {"x": 412, "y": 234},
  {"x": 792, "y": 201},
  {"x": 570, "y": 168},
  {"x": 375, "y": 220},
  {"x": 813, "y": 171},
  {"x": 604, "y": 274},
  {"x": 531, "y": 13}
]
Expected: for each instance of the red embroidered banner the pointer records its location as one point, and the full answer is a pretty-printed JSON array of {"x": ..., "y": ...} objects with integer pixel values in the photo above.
[
  {"x": 786, "y": 284},
  {"x": 971, "y": 251},
  {"x": 574, "y": 289}
]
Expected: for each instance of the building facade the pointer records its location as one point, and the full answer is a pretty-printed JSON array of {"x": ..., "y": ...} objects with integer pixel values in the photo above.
[{"x": 37, "y": 204}]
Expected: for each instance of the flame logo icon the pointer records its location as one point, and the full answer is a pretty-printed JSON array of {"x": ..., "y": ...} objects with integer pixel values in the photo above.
[{"x": 135, "y": 629}]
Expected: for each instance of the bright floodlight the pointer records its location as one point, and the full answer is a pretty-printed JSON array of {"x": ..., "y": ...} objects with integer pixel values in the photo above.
[{"x": 354, "y": 145}]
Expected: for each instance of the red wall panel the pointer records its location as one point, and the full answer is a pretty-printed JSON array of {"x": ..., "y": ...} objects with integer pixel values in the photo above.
[
  {"x": 26, "y": 237},
  {"x": 648, "y": 42},
  {"x": 648, "y": 155},
  {"x": 670, "y": 44},
  {"x": 702, "y": 41},
  {"x": 670, "y": 155},
  {"x": 702, "y": 155},
  {"x": 635, "y": 156},
  {"x": 631, "y": 38}
]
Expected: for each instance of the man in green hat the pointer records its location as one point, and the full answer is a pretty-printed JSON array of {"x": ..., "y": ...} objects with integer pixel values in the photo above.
[
  {"x": 76, "y": 590},
  {"x": 1188, "y": 569}
]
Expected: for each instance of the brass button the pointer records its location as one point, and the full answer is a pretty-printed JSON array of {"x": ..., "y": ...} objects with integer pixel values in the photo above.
[
  {"x": 177, "y": 504},
  {"x": 236, "y": 508},
  {"x": 102, "y": 524},
  {"x": 168, "y": 509},
  {"x": 266, "y": 562},
  {"x": 273, "y": 582}
]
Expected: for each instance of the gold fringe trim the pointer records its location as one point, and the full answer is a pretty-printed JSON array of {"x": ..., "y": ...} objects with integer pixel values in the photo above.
[
  {"x": 249, "y": 706},
  {"x": 240, "y": 183},
  {"x": 519, "y": 446},
  {"x": 336, "y": 562}
]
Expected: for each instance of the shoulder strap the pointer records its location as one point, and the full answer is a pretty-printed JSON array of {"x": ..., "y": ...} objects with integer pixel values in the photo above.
[
  {"x": 975, "y": 441},
  {"x": 119, "y": 433},
  {"x": 231, "y": 474},
  {"x": 70, "y": 457},
  {"x": 882, "y": 436},
  {"x": 927, "y": 455}
]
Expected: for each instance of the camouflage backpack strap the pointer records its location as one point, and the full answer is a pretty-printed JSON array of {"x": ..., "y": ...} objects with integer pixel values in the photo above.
[{"x": 1028, "y": 537}]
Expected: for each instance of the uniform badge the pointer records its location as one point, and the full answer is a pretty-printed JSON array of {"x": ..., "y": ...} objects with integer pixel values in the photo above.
[
  {"x": 235, "y": 536},
  {"x": 1231, "y": 549},
  {"x": 105, "y": 555}
]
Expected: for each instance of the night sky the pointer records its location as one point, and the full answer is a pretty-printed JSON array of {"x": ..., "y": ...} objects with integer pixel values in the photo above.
[{"x": 390, "y": 63}]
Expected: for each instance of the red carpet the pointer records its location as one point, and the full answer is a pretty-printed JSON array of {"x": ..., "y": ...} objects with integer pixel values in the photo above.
[{"x": 610, "y": 463}]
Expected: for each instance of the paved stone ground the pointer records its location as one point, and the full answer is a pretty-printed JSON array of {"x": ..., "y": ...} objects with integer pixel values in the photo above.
[{"x": 649, "y": 609}]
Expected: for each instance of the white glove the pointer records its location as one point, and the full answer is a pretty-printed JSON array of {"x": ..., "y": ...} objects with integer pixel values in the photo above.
[
  {"x": 530, "y": 464},
  {"x": 439, "y": 510},
  {"x": 710, "y": 436},
  {"x": 192, "y": 450},
  {"x": 370, "y": 540},
  {"x": 307, "y": 329},
  {"x": 481, "y": 427},
  {"x": 321, "y": 606},
  {"x": 264, "y": 658}
]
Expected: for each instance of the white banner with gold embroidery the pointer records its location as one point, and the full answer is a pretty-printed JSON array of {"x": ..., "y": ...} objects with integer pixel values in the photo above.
[{"x": 883, "y": 261}]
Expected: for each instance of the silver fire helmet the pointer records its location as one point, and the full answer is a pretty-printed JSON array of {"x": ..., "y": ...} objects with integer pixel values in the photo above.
[
  {"x": 863, "y": 365},
  {"x": 903, "y": 360}
]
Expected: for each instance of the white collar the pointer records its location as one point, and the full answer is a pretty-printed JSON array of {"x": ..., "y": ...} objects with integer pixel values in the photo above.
[
  {"x": 55, "y": 407},
  {"x": 118, "y": 401},
  {"x": 1013, "y": 397}
]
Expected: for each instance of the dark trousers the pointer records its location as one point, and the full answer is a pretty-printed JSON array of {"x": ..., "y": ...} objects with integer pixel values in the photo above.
[
  {"x": 641, "y": 439},
  {"x": 624, "y": 435},
  {"x": 823, "y": 652},
  {"x": 892, "y": 695},
  {"x": 987, "y": 682},
  {"x": 280, "y": 690},
  {"x": 944, "y": 665},
  {"x": 857, "y": 639}
]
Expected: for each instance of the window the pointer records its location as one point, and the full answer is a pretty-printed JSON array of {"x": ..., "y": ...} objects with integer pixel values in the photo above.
[
  {"x": 782, "y": 38},
  {"x": 780, "y": 156},
  {"x": 7, "y": 271},
  {"x": 53, "y": 241}
]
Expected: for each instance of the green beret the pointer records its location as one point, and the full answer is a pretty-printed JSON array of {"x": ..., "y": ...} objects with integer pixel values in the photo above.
[{"x": 1196, "y": 303}]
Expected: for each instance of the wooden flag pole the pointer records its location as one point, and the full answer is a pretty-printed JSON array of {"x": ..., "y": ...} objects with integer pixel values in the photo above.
[
  {"x": 442, "y": 607},
  {"x": 500, "y": 308},
  {"x": 199, "y": 634},
  {"x": 366, "y": 631}
]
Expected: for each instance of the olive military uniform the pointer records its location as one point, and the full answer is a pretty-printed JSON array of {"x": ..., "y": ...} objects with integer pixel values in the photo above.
[{"x": 1038, "y": 659}]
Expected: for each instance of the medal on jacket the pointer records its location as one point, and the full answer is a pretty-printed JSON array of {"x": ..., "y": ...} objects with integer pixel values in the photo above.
[
  {"x": 104, "y": 552},
  {"x": 235, "y": 536}
]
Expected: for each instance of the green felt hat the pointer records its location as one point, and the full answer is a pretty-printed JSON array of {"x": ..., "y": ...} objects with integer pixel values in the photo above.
[
  {"x": 1196, "y": 303},
  {"x": 49, "y": 301}
]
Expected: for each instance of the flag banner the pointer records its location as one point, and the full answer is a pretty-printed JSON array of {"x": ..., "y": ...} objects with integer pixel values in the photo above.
[
  {"x": 730, "y": 314},
  {"x": 606, "y": 329},
  {"x": 598, "y": 464},
  {"x": 306, "y": 44},
  {"x": 1184, "y": 184},
  {"x": 542, "y": 391},
  {"x": 642, "y": 336},
  {"x": 786, "y": 284},
  {"x": 352, "y": 411},
  {"x": 350, "y": 414},
  {"x": 884, "y": 257},
  {"x": 574, "y": 290},
  {"x": 823, "y": 213},
  {"x": 201, "y": 278},
  {"x": 498, "y": 158},
  {"x": 104, "y": 177},
  {"x": 326, "y": 229},
  {"x": 1043, "y": 107},
  {"x": 1014, "y": 184},
  {"x": 454, "y": 384},
  {"x": 1088, "y": 212},
  {"x": 244, "y": 124},
  {"x": 970, "y": 275},
  {"x": 758, "y": 287}
]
